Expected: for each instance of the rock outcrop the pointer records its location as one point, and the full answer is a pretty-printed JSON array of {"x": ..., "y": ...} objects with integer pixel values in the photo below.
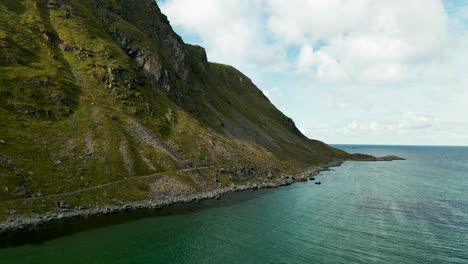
[{"x": 365, "y": 157}]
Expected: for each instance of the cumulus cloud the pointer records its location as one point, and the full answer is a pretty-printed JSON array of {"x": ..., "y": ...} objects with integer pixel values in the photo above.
[
  {"x": 415, "y": 121},
  {"x": 370, "y": 41},
  {"x": 325, "y": 67},
  {"x": 230, "y": 29},
  {"x": 408, "y": 121},
  {"x": 339, "y": 40},
  {"x": 373, "y": 58}
]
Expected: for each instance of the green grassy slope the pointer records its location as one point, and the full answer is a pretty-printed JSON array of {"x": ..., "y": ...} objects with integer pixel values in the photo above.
[{"x": 99, "y": 92}]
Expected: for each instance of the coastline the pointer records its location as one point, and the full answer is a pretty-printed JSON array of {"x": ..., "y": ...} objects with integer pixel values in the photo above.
[{"x": 36, "y": 221}]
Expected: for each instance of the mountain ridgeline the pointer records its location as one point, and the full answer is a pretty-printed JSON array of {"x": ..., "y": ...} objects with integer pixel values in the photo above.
[{"x": 101, "y": 102}]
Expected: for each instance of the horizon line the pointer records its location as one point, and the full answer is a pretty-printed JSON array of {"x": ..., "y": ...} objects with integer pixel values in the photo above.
[{"x": 402, "y": 145}]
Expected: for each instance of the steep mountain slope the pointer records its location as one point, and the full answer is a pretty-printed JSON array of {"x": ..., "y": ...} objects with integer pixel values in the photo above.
[{"x": 102, "y": 103}]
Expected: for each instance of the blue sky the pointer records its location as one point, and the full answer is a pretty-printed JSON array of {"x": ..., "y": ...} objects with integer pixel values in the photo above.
[{"x": 347, "y": 71}]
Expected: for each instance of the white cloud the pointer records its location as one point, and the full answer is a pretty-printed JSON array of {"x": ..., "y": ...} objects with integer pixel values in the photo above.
[
  {"x": 366, "y": 41},
  {"x": 328, "y": 69},
  {"x": 306, "y": 21},
  {"x": 345, "y": 60},
  {"x": 305, "y": 59},
  {"x": 356, "y": 127},
  {"x": 415, "y": 121},
  {"x": 408, "y": 122},
  {"x": 316, "y": 131},
  {"x": 370, "y": 41},
  {"x": 231, "y": 30},
  {"x": 321, "y": 64}
]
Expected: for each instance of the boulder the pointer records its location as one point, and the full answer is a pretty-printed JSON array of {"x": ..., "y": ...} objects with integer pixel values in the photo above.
[
  {"x": 65, "y": 205},
  {"x": 21, "y": 192}
]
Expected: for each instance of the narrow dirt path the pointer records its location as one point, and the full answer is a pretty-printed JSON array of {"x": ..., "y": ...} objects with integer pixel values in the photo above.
[{"x": 102, "y": 186}]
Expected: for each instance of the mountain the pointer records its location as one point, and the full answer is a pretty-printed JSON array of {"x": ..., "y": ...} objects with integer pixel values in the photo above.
[{"x": 101, "y": 102}]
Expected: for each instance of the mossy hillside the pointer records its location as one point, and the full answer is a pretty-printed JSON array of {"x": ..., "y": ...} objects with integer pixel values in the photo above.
[
  {"x": 83, "y": 149},
  {"x": 167, "y": 116},
  {"x": 191, "y": 101},
  {"x": 218, "y": 96},
  {"x": 34, "y": 78},
  {"x": 77, "y": 111},
  {"x": 236, "y": 107},
  {"x": 77, "y": 151}
]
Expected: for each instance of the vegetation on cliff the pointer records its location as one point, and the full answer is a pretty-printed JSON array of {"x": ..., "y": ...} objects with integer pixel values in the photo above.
[{"x": 96, "y": 96}]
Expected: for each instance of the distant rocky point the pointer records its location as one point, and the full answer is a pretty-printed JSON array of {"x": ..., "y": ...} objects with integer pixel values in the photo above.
[{"x": 365, "y": 157}]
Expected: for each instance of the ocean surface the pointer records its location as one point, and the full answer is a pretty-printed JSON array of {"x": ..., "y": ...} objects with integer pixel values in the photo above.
[{"x": 413, "y": 211}]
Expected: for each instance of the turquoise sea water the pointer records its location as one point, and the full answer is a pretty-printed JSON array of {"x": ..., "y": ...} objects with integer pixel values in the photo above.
[{"x": 413, "y": 211}]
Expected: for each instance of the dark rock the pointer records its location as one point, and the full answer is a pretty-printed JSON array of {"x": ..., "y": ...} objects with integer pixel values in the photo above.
[
  {"x": 5, "y": 160},
  {"x": 21, "y": 192},
  {"x": 60, "y": 99},
  {"x": 67, "y": 13},
  {"x": 65, "y": 205},
  {"x": 66, "y": 47}
]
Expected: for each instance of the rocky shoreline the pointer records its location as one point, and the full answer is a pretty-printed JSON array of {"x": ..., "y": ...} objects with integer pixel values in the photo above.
[{"x": 30, "y": 222}]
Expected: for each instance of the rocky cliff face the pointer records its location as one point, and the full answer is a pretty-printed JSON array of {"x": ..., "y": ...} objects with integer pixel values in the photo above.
[
  {"x": 164, "y": 65},
  {"x": 103, "y": 103}
]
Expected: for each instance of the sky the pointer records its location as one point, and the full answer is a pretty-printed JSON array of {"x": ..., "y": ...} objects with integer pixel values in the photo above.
[{"x": 347, "y": 71}]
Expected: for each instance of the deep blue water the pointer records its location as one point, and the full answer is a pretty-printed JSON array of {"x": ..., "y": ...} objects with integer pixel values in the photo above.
[{"x": 413, "y": 211}]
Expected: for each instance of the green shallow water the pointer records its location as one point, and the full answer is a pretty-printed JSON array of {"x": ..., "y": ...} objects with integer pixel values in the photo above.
[{"x": 413, "y": 211}]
